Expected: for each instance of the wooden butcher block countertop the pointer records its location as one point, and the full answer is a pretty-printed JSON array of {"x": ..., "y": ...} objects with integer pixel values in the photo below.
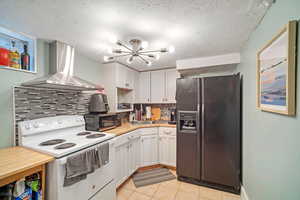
[
  {"x": 17, "y": 159},
  {"x": 128, "y": 127}
]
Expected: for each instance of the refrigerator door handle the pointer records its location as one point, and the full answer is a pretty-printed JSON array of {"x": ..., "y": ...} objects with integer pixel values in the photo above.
[{"x": 202, "y": 127}]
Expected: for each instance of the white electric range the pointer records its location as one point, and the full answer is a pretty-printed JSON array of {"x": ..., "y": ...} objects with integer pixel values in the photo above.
[{"x": 65, "y": 136}]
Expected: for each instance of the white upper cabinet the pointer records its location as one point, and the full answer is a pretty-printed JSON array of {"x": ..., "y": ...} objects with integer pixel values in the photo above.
[
  {"x": 144, "y": 88},
  {"x": 163, "y": 86},
  {"x": 125, "y": 77},
  {"x": 171, "y": 76},
  {"x": 158, "y": 86}
]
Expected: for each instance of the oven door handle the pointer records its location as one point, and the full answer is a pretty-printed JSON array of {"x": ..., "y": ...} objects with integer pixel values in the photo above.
[{"x": 63, "y": 161}]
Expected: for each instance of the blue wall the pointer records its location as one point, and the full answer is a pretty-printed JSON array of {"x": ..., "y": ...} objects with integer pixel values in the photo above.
[{"x": 271, "y": 152}]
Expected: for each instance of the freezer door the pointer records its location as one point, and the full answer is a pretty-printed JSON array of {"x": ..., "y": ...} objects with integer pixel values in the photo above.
[
  {"x": 220, "y": 149},
  {"x": 188, "y": 128},
  {"x": 187, "y": 94}
]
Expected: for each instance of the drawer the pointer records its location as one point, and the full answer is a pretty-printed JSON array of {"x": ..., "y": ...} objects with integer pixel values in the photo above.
[
  {"x": 149, "y": 131},
  {"x": 167, "y": 131},
  {"x": 127, "y": 137}
]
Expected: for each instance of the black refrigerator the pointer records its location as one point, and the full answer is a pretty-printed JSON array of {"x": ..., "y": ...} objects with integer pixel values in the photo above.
[{"x": 208, "y": 131}]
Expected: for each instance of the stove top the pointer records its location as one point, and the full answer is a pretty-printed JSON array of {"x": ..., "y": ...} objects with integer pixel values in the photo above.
[
  {"x": 59, "y": 136},
  {"x": 52, "y": 142},
  {"x": 65, "y": 145},
  {"x": 84, "y": 133},
  {"x": 97, "y": 135}
]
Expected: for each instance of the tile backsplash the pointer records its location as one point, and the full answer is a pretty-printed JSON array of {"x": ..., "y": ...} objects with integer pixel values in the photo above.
[{"x": 33, "y": 103}]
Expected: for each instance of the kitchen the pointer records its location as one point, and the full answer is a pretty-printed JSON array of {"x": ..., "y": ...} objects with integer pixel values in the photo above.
[{"x": 162, "y": 107}]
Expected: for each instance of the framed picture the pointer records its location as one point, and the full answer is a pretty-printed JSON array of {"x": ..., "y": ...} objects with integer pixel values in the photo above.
[{"x": 276, "y": 72}]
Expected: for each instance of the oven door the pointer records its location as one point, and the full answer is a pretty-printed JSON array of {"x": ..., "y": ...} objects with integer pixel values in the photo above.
[{"x": 82, "y": 190}]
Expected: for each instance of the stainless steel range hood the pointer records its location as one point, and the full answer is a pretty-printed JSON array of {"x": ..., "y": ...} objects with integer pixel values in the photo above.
[{"x": 61, "y": 71}]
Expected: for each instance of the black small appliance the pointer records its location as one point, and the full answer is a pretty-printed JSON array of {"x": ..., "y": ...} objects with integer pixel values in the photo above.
[
  {"x": 99, "y": 119},
  {"x": 173, "y": 117}
]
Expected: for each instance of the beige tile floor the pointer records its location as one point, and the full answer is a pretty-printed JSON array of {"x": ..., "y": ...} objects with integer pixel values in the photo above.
[{"x": 171, "y": 190}]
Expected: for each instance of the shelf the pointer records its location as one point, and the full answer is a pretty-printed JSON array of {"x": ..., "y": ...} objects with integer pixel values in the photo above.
[
  {"x": 125, "y": 110},
  {"x": 13, "y": 41},
  {"x": 20, "y": 70}
]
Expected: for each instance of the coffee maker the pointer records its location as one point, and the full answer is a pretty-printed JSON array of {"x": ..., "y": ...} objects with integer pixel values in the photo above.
[{"x": 173, "y": 117}]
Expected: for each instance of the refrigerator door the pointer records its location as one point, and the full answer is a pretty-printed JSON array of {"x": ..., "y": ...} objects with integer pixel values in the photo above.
[
  {"x": 187, "y": 93},
  {"x": 220, "y": 149},
  {"x": 188, "y": 127}
]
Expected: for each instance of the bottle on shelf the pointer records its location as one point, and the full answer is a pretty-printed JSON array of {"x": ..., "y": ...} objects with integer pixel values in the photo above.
[
  {"x": 25, "y": 59},
  {"x": 14, "y": 56}
]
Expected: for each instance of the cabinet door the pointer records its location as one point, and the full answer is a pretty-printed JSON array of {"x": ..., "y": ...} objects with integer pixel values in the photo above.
[
  {"x": 158, "y": 86},
  {"x": 136, "y": 145},
  {"x": 163, "y": 149},
  {"x": 149, "y": 153},
  {"x": 172, "y": 151},
  {"x": 129, "y": 82},
  {"x": 121, "y": 74},
  {"x": 171, "y": 76},
  {"x": 136, "y": 86},
  {"x": 121, "y": 164},
  {"x": 124, "y": 77},
  {"x": 131, "y": 159},
  {"x": 144, "y": 87}
]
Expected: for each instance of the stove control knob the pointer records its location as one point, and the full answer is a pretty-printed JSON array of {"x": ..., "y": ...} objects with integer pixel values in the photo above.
[
  {"x": 27, "y": 126},
  {"x": 36, "y": 125},
  {"x": 59, "y": 122}
]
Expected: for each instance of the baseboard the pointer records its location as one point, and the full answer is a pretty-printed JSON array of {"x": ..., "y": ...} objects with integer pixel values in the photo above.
[{"x": 244, "y": 195}]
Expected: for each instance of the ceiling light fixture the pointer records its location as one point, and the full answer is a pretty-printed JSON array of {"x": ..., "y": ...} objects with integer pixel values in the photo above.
[{"x": 136, "y": 50}]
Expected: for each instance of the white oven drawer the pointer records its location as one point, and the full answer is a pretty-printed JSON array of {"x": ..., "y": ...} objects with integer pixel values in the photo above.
[{"x": 106, "y": 193}]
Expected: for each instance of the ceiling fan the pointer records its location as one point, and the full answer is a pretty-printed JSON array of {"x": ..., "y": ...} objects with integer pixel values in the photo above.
[{"x": 136, "y": 50}]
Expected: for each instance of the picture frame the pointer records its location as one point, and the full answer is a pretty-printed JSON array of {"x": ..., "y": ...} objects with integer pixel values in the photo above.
[{"x": 276, "y": 72}]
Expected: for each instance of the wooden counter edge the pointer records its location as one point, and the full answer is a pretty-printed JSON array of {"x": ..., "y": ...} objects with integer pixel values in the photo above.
[
  {"x": 35, "y": 164},
  {"x": 119, "y": 130}
]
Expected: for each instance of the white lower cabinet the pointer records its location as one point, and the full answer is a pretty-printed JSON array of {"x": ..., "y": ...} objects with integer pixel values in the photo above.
[
  {"x": 149, "y": 150},
  {"x": 167, "y": 146},
  {"x": 127, "y": 152},
  {"x": 143, "y": 147}
]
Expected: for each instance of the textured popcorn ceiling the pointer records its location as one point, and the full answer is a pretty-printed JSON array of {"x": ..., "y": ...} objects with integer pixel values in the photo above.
[{"x": 195, "y": 27}]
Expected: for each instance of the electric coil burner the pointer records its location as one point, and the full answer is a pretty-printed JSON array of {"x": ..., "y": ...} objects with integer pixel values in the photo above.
[
  {"x": 97, "y": 135},
  {"x": 52, "y": 142},
  {"x": 65, "y": 145},
  {"x": 84, "y": 133}
]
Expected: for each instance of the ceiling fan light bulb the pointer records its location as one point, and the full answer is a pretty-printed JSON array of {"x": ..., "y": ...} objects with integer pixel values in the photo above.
[
  {"x": 109, "y": 50},
  {"x": 117, "y": 51},
  {"x": 144, "y": 44},
  {"x": 129, "y": 60},
  {"x": 157, "y": 56},
  {"x": 148, "y": 63},
  {"x": 171, "y": 49},
  {"x": 106, "y": 58},
  {"x": 163, "y": 50}
]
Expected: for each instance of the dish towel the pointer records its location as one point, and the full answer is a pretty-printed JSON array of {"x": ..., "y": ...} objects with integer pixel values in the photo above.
[
  {"x": 76, "y": 169},
  {"x": 80, "y": 165},
  {"x": 103, "y": 153}
]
